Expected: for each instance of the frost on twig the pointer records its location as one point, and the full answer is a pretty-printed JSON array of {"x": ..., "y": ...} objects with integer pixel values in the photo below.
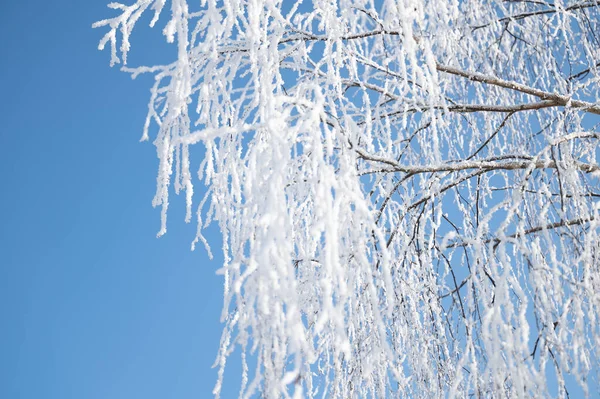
[{"x": 407, "y": 190}]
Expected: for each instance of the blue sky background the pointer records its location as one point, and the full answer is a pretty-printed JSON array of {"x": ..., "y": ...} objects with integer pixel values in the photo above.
[{"x": 92, "y": 304}]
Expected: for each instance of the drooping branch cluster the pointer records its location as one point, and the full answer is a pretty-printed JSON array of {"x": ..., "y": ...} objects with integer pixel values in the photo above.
[{"x": 407, "y": 190}]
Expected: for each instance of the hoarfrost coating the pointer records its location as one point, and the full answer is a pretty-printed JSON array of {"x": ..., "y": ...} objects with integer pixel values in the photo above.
[{"x": 408, "y": 191}]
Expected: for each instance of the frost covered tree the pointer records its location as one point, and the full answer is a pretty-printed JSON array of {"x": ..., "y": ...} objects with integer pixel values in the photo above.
[{"x": 408, "y": 190}]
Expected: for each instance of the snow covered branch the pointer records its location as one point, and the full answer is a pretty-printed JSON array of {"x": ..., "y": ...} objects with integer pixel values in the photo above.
[{"x": 407, "y": 190}]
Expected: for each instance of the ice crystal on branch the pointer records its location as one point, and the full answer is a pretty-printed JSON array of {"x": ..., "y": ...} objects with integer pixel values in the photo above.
[{"x": 408, "y": 191}]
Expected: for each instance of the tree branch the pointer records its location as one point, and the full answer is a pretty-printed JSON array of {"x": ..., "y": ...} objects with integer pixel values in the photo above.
[
  {"x": 551, "y": 226},
  {"x": 557, "y": 99},
  {"x": 498, "y": 163},
  {"x": 517, "y": 17}
]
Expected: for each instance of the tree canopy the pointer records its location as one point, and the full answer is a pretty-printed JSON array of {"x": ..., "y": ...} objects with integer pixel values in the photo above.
[{"x": 408, "y": 191}]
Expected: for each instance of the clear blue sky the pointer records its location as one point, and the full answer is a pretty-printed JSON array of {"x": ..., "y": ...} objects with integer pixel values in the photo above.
[{"x": 92, "y": 304}]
